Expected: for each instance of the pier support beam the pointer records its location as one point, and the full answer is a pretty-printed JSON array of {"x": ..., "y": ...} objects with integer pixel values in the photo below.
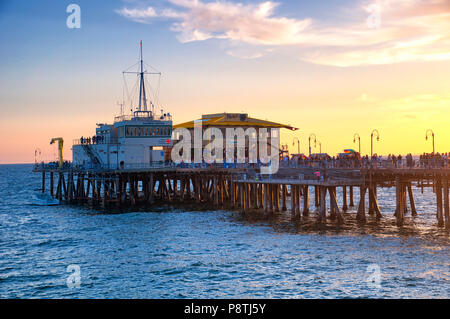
[
  {"x": 351, "y": 204},
  {"x": 332, "y": 208},
  {"x": 374, "y": 202},
  {"x": 270, "y": 197},
  {"x": 400, "y": 202},
  {"x": 440, "y": 215},
  {"x": 446, "y": 204},
  {"x": 344, "y": 198},
  {"x": 43, "y": 181},
  {"x": 293, "y": 201},
  {"x": 334, "y": 204},
  {"x": 305, "y": 200},
  {"x": 283, "y": 197},
  {"x": 322, "y": 204},
  {"x": 276, "y": 189},
  {"x": 316, "y": 195},
  {"x": 297, "y": 201},
  {"x": 411, "y": 200},
  {"x": 361, "y": 214}
]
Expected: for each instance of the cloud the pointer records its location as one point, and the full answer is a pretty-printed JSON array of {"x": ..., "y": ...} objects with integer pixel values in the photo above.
[
  {"x": 138, "y": 15},
  {"x": 377, "y": 32}
]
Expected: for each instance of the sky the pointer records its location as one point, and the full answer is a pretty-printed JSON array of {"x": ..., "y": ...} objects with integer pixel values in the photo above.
[{"x": 330, "y": 68}]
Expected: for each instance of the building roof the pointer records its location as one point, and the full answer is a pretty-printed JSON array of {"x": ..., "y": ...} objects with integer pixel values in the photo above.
[{"x": 233, "y": 120}]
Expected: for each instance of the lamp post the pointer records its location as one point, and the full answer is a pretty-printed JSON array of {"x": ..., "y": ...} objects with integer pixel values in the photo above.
[
  {"x": 37, "y": 152},
  {"x": 371, "y": 141},
  {"x": 309, "y": 141},
  {"x": 432, "y": 135},
  {"x": 320, "y": 147},
  {"x": 356, "y": 136},
  {"x": 298, "y": 144}
]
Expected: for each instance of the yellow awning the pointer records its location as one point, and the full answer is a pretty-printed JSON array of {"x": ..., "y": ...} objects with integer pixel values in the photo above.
[{"x": 216, "y": 120}]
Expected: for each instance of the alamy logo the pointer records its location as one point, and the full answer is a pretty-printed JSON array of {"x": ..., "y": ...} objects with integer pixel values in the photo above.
[
  {"x": 374, "y": 279},
  {"x": 74, "y": 19},
  {"x": 374, "y": 19},
  {"x": 259, "y": 146},
  {"x": 74, "y": 279}
]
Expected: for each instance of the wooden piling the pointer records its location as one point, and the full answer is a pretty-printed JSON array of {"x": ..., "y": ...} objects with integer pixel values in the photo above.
[
  {"x": 344, "y": 198},
  {"x": 440, "y": 215},
  {"x": 276, "y": 189},
  {"x": 52, "y": 184},
  {"x": 400, "y": 211},
  {"x": 322, "y": 204},
  {"x": 297, "y": 201},
  {"x": 316, "y": 195},
  {"x": 305, "y": 200},
  {"x": 332, "y": 208},
  {"x": 446, "y": 204},
  {"x": 283, "y": 197},
  {"x": 374, "y": 200},
  {"x": 411, "y": 200},
  {"x": 351, "y": 204},
  {"x": 361, "y": 213},
  {"x": 333, "y": 202},
  {"x": 43, "y": 182},
  {"x": 293, "y": 200}
]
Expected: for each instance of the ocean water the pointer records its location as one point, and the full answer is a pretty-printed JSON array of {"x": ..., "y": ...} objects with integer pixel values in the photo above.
[{"x": 173, "y": 253}]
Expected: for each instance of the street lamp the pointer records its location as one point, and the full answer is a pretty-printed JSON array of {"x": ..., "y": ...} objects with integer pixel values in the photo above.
[
  {"x": 432, "y": 135},
  {"x": 320, "y": 147},
  {"x": 37, "y": 152},
  {"x": 355, "y": 136},
  {"x": 371, "y": 141},
  {"x": 298, "y": 144},
  {"x": 309, "y": 142}
]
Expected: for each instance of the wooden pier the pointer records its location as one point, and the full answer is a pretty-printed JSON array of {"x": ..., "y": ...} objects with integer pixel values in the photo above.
[{"x": 246, "y": 189}]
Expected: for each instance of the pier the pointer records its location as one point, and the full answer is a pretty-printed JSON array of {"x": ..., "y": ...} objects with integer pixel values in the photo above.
[{"x": 295, "y": 190}]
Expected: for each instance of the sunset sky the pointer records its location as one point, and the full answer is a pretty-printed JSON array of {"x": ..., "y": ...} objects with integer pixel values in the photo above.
[{"x": 333, "y": 68}]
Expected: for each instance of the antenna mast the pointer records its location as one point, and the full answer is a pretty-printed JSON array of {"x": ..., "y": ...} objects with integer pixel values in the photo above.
[
  {"x": 142, "y": 106},
  {"x": 142, "y": 97}
]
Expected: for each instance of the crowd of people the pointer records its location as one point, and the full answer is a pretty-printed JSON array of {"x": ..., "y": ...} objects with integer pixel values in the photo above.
[
  {"x": 96, "y": 139},
  {"x": 436, "y": 160}
]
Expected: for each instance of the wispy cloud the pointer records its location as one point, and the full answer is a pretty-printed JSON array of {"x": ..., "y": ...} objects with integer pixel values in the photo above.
[
  {"x": 138, "y": 15},
  {"x": 404, "y": 30}
]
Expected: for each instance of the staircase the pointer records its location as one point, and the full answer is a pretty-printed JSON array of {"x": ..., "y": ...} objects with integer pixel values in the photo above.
[{"x": 94, "y": 158}]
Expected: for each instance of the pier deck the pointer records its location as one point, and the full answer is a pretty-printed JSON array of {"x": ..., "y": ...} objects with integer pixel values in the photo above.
[{"x": 244, "y": 188}]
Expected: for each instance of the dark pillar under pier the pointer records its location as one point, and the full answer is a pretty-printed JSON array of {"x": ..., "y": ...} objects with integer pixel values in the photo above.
[
  {"x": 283, "y": 197},
  {"x": 446, "y": 204},
  {"x": 351, "y": 204},
  {"x": 361, "y": 214},
  {"x": 322, "y": 204},
  {"x": 344, "y": 198},
  {"x": 400, "y": 202},
  {"x": 411, "y": 200},
  {"x": 52, "y": 184},
  {"x": 43, "y": 181},
  {"x": 306, "y": 200},
  {"x": 440, "y": 215},
  {"x": 316, "y": 195}
]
